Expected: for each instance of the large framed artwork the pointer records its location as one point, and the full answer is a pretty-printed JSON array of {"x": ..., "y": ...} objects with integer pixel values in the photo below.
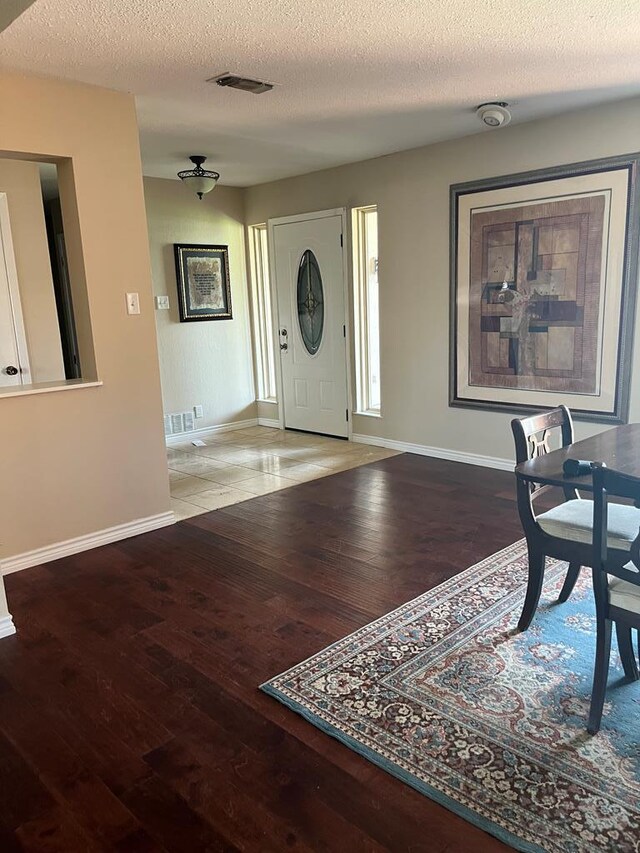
[
  {"x": 204, "y": 291},
  {"x": 543, "y": 281}
]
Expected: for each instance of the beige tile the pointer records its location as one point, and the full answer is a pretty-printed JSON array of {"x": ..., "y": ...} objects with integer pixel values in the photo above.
[
  {"x": 340, "y": 460},
  {"x": 238, "y": 456},
  {"x": 346, "y": 448},
  {"x": 179, "y": 447},
  {"x": 174, "y": 476},
  {"x": 182, "y": 509},
  {"x": 258, "y": 431},
  {"x": 304, "y": 472},
  {"x": 189, "y": 486},
  {"x": 270, "y": 464},
  {"x": 230, "y": 475},
  {"x": 375, "y": 453},
  {"x": 174, "y": 453},
  {"x": 258, "y": 441},
  {"x": 220, "y": 438},
  {"x": 264, "y": 484},
  {"x": 218, "y": 498},
  {"x": 319, "y": 457},
  {"x": 196, "y": 465},
  {"x": 210, "y": 451},
  {"x": 298, "y": 439},
  {"x": 294, "y": 452}
]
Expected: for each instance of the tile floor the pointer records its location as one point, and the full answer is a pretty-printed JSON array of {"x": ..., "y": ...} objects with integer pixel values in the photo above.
[{"x": 239, "y": 465}]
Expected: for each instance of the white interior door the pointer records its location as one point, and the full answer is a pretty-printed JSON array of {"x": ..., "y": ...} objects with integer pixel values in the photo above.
[
  {"x": 309, "y": 276},
  {"x": 13, "y": 360}
]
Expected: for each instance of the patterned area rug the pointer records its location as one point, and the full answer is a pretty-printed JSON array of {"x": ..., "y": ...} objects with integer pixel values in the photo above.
[{"x": 445, "y": 695}]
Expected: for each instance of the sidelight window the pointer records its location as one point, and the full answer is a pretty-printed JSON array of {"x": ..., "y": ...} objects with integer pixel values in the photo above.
[
  {"x": 262, "y": 314},
  {"x": 366, "y": 309}
]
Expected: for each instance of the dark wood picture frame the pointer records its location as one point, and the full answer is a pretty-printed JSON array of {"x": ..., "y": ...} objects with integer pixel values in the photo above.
[
  {"x": 204, "y": 287},
  {"x": 628, "y": 242}
]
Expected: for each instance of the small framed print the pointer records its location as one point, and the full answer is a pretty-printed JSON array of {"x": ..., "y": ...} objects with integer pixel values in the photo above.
[{"x": 204, "y": 290}]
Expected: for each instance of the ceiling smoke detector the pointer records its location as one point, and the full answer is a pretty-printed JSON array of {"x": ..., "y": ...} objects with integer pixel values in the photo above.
[
  {"x": 494, "y": 114},
  {"x": 245, "y": 84}
]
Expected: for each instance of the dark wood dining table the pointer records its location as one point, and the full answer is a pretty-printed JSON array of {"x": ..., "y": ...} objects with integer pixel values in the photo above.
[{"x": 617, "y": 448}]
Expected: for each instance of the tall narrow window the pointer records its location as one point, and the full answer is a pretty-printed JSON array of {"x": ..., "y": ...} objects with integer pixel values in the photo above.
[
  {"x": 262, "y": 314},
  {"x": 367, "y": 309}
]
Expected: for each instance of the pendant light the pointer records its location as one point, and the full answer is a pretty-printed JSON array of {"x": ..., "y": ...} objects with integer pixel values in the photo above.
[{"x": 200, "y": 180}]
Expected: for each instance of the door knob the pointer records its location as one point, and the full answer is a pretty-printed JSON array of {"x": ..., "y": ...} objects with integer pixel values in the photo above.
[
  {"x": 10, "y": 370},
  {"x": 284, "y": 346}
]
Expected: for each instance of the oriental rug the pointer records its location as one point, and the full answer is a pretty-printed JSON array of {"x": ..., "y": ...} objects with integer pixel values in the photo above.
[{"x": 444, "y": 694}]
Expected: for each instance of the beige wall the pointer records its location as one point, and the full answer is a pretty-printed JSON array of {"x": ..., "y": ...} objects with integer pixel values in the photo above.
[
  {"x": 11, "y": 9},
  {"x": 205, "y": 363},
  {"x": 20, "y": 180},
  {"x": 82, "y": 460},
  {"x": 411, "y": 190}
]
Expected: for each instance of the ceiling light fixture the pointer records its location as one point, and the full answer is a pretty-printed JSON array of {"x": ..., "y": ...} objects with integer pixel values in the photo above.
[
  {"x": 494, "y": 114},
  {"x": 199, "y": 180}
]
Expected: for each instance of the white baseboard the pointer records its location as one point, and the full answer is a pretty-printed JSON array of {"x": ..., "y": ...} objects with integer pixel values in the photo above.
[
  {"x": 437, "y": 452},
  {"x": 269, "y": 422},
  {"x": 84, "y": 543},
  {"x": 7, "y": 628},
  {"x": 210, "y": 430}
]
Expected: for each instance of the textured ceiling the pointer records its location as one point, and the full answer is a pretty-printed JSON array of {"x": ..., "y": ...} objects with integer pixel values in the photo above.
[{"x": 356, "y": 78}]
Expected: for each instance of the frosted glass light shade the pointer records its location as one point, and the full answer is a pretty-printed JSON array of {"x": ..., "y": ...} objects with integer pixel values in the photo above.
[{"x": 199, "y": 180}]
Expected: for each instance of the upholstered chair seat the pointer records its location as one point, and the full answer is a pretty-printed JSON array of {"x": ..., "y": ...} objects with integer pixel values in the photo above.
[
  {"x": 623, "y": 594},
  {"x": 574, "y": 520}
]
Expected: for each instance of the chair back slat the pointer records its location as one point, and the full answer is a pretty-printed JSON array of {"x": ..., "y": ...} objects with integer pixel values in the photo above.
[
  {"x": 545, "y": 420},
  {"x": 532, "y": 436}
]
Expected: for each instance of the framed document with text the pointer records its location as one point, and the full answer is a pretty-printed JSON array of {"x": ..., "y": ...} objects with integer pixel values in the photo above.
[{"x": 204, "y": 291}]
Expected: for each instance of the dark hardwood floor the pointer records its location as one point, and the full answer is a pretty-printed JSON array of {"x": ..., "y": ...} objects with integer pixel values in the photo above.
[{"x": 130, "y": 715}]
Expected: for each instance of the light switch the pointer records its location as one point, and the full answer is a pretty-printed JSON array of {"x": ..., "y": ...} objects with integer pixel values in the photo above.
[
  {"x": 133, "y": 303},
  {"x": 162, "y": 303}
]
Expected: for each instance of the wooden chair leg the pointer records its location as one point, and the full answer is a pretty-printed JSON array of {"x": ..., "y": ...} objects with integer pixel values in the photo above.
[
  {"x": 569, "y": 582},
  {"x": 534, "y": 588},
  {"x": 600, "y": 673},
  {"x": 627, "y": 652}
]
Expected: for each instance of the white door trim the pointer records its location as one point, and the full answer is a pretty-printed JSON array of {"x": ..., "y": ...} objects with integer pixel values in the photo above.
[
  {"x": 8, "y": 258},
  {"x": 303, "y": 217}
]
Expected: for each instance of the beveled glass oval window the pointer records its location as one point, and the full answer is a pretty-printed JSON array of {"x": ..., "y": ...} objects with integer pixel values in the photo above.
[{"x": 310, "y": 302}]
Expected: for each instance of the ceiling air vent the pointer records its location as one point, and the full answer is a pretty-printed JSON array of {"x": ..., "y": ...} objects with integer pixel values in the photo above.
[{"x": 243, "y": 83}]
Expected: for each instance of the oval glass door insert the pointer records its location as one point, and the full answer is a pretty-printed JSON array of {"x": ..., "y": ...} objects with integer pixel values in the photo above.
[{"x": 310, "y": 302}]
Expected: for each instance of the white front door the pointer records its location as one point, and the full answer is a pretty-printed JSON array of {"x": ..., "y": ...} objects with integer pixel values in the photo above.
[
  {"x": 309, "y": 275},
  {"x": 13, "y": 365}
]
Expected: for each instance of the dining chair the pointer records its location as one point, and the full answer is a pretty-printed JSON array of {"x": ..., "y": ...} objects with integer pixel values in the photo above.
[
  {"x": 564, "y": 532},
  {"x": 616, "y": 585}
]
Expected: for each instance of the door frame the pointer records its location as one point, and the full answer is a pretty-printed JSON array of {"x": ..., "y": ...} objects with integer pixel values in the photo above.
[
  {"x": 288, "y": 220},
  {"x": 9, "y": 259}
]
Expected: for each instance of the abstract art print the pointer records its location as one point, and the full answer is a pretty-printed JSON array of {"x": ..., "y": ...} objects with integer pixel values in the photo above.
[
  {"x": 204, "y": 292},
  {"x": 543, "y": 273}
]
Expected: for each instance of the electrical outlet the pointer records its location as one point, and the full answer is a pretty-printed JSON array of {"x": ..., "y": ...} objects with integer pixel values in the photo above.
[
  {"x": 133, "y": 303},
  {"x": 162, "y": 303},
  {"x": 198, "y": 411}
]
